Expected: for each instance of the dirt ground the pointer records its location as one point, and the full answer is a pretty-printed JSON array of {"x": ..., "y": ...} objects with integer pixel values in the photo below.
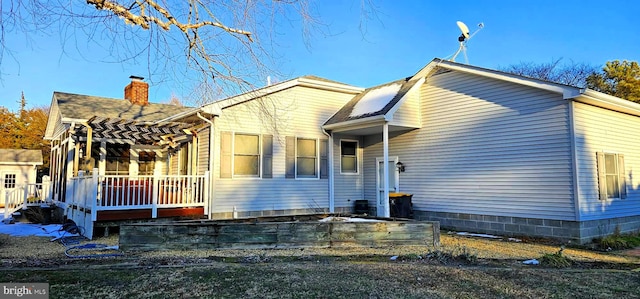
[
  {"x": 461, "y": 267},
  {"x": 40, "y": 252}
]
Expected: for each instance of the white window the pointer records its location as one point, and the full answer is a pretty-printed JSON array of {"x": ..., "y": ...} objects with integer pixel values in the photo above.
[
  {"x": 348, "y": 156},
  {"x": 9, "y": 180},
  {"x": 306, "y": 158},
  {"x": 611, "y": 176},
  {"x": 246, "y": 155}
]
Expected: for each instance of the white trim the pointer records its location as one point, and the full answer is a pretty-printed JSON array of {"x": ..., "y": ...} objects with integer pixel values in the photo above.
[
  {"x": 583, "y": 95},
  {"x": 295, "y": 169},
  {"x": 21, "y": 163},
  {"x": 357, "y": 157},
  {"x": 359, "y": 123},
  {"x": 606, "y": 101},
  {"x": 233, "y": 155},
  {"x": 396, "y": 178},
  {"x": 616, "y": 156},
  {"x": 261, "y": 92},
  {"x": 566, "y": 91},
  {"x": 385, "y": 151}
]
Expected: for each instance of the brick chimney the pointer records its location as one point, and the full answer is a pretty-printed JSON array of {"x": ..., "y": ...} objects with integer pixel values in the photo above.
[{"x": 137, "y": 92}]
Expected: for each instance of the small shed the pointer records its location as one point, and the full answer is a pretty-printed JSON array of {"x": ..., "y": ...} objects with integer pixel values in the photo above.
[{"x": 18, "y": 167}]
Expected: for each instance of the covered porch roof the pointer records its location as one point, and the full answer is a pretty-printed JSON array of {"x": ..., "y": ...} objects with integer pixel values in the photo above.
[{"x": 369, "y": 111}]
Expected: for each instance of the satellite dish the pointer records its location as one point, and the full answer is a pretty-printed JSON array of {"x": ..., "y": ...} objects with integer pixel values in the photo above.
[
  {"x": 463, "y": 39},
  {"x": 463, "y": 27}
]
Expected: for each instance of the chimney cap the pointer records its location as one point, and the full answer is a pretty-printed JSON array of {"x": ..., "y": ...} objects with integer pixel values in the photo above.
[{"x": 133, "y": 77}]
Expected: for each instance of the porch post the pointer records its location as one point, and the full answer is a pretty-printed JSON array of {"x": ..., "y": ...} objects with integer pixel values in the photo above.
[
  {"x": 156, "y": 191},
  {"x": 89, "y": 193},
  {"x": 385, "y": 167},
  {"x": 96, "y": 190},
  {"x": 102, "y": 164},
  {"x": 46, "y": 188},
  {"x": 76, "y": 159},
  {"x": 206, "y": 200},
  {"x": 6, "y": 205},
  {"x": 25, "y": 196}
]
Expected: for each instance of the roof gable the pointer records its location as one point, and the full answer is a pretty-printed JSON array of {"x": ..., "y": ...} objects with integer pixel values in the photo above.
[
  {"x": 305, "y": 81},
  {"x": 438, "y": 64}
]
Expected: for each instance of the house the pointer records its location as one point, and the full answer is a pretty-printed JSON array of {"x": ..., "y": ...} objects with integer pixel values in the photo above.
[
  {"x": 478, "y": 149},
  {"x": 18, "y": 170}
]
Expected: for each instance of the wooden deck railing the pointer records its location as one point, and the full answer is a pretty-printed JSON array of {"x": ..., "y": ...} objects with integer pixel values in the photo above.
[{"x": 116, "y": 192}]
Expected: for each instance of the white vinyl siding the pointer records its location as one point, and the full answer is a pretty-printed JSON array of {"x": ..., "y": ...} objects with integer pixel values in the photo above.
[
  {"x": 408, "y": 114},
  {"x": 347, "y": 187},
  {"x": 298, "y": 111},
  {"x": 600, "y": 130},
  {"x": 485, "y": 147},
  {"x": 203, "y": 150}
]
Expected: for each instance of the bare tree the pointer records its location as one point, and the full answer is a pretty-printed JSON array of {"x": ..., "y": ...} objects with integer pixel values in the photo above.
[
  {"x": 225, "y": 43},
  {"x": 574, "y": 74}
]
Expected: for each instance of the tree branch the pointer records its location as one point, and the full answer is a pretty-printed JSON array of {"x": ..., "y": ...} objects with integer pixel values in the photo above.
[{"x": 145, "y": 21}]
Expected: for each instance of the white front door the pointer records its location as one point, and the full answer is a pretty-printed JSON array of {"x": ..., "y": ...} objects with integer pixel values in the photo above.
[
  {"x": 8, "y": 182},
  {"x": 394, "y": 181}
]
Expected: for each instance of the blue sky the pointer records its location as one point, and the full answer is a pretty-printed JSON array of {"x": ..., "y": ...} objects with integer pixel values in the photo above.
[{"x": 404, "y": 36}]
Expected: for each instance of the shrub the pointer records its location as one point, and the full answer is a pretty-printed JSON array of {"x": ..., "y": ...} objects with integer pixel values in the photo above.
[
  {"x": 458, "y": 254},
  {"x": 34, "y": 214},
  {"x": 556, "y": 260},
  {"x": 617, "y": 242}
]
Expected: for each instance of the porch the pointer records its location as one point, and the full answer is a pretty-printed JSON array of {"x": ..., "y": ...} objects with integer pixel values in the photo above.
[{"x": 97, "y": 198}]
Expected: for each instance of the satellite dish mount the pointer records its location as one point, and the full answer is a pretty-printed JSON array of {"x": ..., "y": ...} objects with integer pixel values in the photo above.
[{"x": 463, "y": 39}]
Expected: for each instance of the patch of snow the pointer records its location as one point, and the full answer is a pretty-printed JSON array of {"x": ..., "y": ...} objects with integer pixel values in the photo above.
[
  {"x": 514, "y": 240},
  {"x": 375, "y": 100},
  {"x": 348, "y": 219},
  {"x": 30, "y": 229},
  {"x": 478, "y": 235},
  {"x": 531, "y": 262}
]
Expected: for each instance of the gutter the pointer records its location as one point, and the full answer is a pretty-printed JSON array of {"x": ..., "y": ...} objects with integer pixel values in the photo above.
[
  {"x": 332, "y": 200},
  {"x": 360, "y": 121},
  {"x": 211, "y": 156}
]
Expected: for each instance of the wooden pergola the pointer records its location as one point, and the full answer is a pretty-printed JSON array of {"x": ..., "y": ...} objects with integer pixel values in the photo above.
[{"x": 126, "y": 131}]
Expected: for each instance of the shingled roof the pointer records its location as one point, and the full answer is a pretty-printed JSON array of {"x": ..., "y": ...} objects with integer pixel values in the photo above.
[
  {"x": 373, "y": 101},
  {"x": 20, "y": 156},
  {"x": 75, "y": 106}
]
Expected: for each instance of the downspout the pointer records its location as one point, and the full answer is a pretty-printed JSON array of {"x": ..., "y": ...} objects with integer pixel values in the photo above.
[
  {"x": 211, "y": 153},
  {"x": 330, "y": 168}
]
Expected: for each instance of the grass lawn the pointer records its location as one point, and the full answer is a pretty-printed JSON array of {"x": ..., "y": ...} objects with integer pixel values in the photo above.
[{"x": 497, "y": 272}]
